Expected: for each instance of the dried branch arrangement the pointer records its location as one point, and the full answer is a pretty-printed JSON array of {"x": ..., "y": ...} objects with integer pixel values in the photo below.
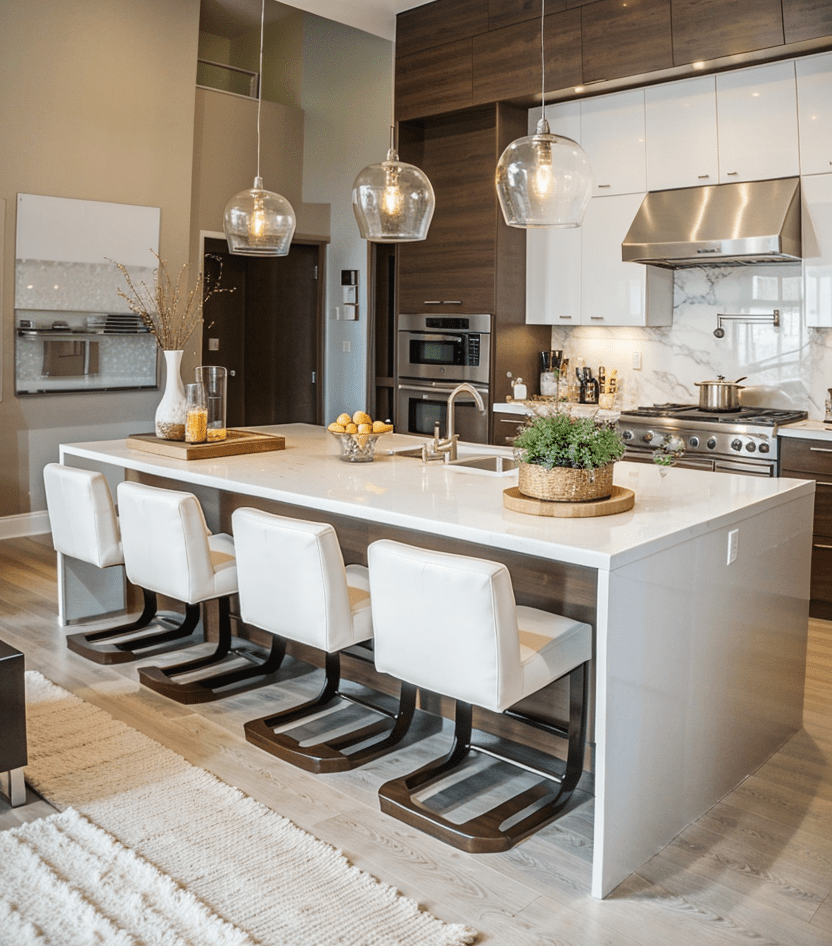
[{"x": 169, "y": 313}]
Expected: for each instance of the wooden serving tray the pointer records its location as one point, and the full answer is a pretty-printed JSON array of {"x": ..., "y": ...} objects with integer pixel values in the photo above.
[
  {"x": 236, "y": 441},
  {"x": 620, "y": 500}
]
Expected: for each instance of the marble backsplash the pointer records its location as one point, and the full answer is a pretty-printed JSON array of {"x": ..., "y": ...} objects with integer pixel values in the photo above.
[{"x": 789, "y": 366}]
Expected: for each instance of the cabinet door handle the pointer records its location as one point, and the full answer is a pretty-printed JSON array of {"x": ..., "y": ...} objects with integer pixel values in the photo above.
[
  {"x": 452, "y": 302},
  {"x": 732, "y": 173},
  {"x": 564, "y": 316},
  {"x": 432, "y": 302},
  {"x": 702, "y": 177},
  {"x": 827, "y": 485},
  {"x": 818, "y": 546},
  {"x": 597, "y": 318},
  {"x": 601, "y": 186},
  {"x": 820, "y": 449}
]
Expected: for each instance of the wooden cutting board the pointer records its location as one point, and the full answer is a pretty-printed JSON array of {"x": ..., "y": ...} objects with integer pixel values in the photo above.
[
  {"x": 236, "y": 442},
  {"x": 620, "y": 500}
]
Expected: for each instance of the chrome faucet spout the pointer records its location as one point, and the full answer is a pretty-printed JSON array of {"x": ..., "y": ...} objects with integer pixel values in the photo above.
[{"x": 453, "y": 436}]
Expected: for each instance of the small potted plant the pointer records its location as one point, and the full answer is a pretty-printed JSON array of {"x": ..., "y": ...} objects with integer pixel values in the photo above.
[{"x": 567, "y": 459}]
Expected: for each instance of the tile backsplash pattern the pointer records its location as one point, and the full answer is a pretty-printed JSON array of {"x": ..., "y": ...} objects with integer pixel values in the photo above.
[
  {"x": 88, "y": 287},
  {"x": 789, "y": 366}
]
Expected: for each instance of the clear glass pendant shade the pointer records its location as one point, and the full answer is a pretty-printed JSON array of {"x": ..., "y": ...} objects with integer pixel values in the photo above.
[
  {"x": 393, "y": 202},
  {"x": 543, "y": 180},
  {"x": 258, "y": 222}
]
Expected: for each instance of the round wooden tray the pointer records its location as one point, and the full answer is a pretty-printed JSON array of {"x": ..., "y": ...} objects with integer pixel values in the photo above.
[{"x": 620, "y": 500}]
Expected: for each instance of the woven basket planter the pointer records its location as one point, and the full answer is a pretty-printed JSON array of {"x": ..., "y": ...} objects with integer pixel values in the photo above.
[{"x": 563, "y": 484}]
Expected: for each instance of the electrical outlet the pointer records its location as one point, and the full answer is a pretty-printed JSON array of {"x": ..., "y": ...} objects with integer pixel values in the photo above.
[
  {"x": 733, "y": 545},
  {"x": 637, "y": 361},
  {"x": 346, "y": 346},
  {"x": 213, "y": 344}
]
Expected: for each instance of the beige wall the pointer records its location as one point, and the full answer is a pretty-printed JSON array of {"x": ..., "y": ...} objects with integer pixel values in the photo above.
[{"x": 96, "y": 102}]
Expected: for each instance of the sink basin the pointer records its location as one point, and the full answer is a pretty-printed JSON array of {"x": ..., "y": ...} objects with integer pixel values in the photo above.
[{"x": 489, "y": 464}]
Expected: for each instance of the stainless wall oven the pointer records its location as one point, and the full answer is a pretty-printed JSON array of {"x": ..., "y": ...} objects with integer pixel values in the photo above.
[
  {"x": 421, "y": 404},
  {"x": 435, "y": 353}
]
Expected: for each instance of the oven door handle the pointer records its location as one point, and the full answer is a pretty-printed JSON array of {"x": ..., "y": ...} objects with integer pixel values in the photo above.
[
  {"x": 439, "y": 388},
  {"x": 434, "y": 337}
]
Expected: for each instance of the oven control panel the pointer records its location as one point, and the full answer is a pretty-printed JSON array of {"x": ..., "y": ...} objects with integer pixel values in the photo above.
[{"x": 643, "y": 437}]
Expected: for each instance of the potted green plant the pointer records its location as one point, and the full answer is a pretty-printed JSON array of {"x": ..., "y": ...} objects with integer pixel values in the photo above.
[{"x": 567, "y": 459}]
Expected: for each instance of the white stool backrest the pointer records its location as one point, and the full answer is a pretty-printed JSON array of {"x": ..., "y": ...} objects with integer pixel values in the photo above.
[
  {"x": 165, "y": 542},
  {"x": 291, "y": 579},
  {"x": 81, "y": 515},
  {"x": 445, "y": 622}
]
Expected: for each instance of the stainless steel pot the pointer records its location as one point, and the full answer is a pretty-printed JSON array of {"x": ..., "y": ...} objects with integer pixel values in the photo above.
[{"x": 719, "y": 395}]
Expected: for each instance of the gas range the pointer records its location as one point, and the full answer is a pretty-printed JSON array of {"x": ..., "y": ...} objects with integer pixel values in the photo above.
[{"x": 740, "y": 441}]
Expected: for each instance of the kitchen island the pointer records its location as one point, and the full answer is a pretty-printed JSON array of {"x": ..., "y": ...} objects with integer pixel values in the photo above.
[{"x": 699, "y": 661}]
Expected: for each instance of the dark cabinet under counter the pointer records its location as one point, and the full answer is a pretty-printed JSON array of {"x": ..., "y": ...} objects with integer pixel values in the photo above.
[{"x": 811, "y": 459}]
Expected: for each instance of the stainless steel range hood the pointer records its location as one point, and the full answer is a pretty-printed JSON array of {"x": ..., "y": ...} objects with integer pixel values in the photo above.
[{"x": 717, "y": 225}]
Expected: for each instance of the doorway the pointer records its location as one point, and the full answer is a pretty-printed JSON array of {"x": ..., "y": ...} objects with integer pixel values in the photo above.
[{"x": 268, "y": 333}]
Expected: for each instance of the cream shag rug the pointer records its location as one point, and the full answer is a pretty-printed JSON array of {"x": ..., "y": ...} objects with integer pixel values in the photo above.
[
  {"x": 66, "y": 881},
  {"x": 253, "y": 868}
]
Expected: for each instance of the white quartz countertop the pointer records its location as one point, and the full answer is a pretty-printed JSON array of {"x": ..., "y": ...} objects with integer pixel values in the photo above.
[
  {"x": 807, "y": 430},
  {"x": 404, "y": 492}
]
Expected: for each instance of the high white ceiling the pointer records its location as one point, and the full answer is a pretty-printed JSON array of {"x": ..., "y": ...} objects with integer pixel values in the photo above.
[{"x": 232, "y": 17}]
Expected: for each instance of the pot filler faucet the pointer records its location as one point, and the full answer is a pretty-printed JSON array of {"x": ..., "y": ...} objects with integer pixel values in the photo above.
[{"x": 446, "y": 449}]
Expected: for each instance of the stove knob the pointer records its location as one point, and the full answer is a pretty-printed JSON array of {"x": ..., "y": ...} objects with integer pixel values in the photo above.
[
  {"x": 627, "y": 435},
  {"x": 764, "y": 447},
  {"x": 736, "y": 444},
  {"x": 751, "y": 447},
  {"x": 694, "y": 441},
  {"x": 648, "y": 437},
  {"x": 711, "y": 444}
]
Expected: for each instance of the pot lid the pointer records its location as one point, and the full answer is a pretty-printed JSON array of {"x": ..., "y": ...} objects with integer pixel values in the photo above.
[{"x": 720, "y": 380}]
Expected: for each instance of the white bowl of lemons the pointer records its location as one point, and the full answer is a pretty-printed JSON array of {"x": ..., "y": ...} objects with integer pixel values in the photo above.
[{"x": 357, "y": 434}]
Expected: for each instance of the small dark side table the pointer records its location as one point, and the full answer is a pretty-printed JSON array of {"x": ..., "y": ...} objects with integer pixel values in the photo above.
[{"x": 12, "y": 722}]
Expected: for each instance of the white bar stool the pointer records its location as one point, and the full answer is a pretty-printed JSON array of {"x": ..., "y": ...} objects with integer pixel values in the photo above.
[
  {"x": 85, "y": 526},
  {"x": 449, "y": 623},
  {"x": 169, "y": 549},
  {"x": 293, "y": 584}
]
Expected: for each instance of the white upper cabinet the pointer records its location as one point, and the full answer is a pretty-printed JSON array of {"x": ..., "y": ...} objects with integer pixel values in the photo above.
[
  {"x": 757, "y": 122},
  {"x": 553, "y": 276},
  {"x": 680, "y": 123},
  {"x": 564, "y": 119},
  {"x": 612, "y": 135},
  {"x": 814, "y": 107},
  {"x": 615, "y": 292},
  {"x": 816, "y": 193}
]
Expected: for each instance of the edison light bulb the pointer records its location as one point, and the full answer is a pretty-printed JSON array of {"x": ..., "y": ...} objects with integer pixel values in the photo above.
[
  {"x": 392, "y": 199},
  {"x": 258, "y": 220},
  {"x": 543, "y": 178}
]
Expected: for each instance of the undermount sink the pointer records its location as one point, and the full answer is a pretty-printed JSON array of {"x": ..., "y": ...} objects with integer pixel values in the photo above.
[{"x": 488, "y": 464}]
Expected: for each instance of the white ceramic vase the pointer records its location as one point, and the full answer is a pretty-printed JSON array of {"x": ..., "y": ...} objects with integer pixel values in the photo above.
[{"x": 173, "y": 408}]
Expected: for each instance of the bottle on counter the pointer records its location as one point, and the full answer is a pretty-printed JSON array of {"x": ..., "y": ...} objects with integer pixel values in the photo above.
[{"x": 518, "y": 390}]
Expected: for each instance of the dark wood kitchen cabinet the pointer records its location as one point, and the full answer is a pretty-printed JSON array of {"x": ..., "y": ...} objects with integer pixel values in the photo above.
[
  {"x": 708, "y": 29},
  {"x": 471, "y": 262},
  {"x": 438, "y": 23},
  {"x": 812, "y": 459},
  {"x": 455, "y": 269},
  {"x": 806, "y": 19},
  {"x": 625, "y": 39},
  {"x": 434, "y": 81}
]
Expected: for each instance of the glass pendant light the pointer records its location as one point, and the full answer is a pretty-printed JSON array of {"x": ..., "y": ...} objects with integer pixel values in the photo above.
[
  {"x": 393, "y": 202},
  {"x": 543, "y": 180},
  {"x": 258, "y": 222}
]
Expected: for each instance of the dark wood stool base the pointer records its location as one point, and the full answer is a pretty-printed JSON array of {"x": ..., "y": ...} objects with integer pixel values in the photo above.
[
  {"x": 99, "y": 646},
  {"x": 486, "y": 832},
  {"x": 331, "y": 755},
  {"x": 207, "y": 689}
]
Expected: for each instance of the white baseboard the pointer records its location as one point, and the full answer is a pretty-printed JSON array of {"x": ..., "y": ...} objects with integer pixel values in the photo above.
[{"x": 27, "y": 523}]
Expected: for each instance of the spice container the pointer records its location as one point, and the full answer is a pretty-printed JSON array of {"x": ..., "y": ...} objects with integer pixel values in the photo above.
[{"x": 196, "y": 419}]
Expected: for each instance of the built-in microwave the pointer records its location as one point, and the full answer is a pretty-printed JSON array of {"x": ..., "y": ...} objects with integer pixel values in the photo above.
[{"x": 445, "y": 348}]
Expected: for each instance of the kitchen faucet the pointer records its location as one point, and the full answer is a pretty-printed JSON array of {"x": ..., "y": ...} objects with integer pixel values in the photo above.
[{"x": 446, "y": 449}]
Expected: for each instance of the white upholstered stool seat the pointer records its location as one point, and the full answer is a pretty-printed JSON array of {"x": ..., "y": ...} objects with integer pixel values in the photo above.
[
  {"x": 169, "y": 549},
  {"x": 293, "y": 584},
  {"x": 449, "y": 624},
  {"x": 85, "y": 527}
]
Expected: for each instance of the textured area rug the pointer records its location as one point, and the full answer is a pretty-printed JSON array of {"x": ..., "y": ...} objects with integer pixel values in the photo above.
[
  {"x": 65, "y": 881},
  {"x": 252, "y": 867}
]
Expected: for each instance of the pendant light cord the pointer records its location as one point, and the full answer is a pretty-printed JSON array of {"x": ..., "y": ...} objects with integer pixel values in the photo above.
[
  {"x": 542, "y": 61},
  {"x": 260, "y": 82}
]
